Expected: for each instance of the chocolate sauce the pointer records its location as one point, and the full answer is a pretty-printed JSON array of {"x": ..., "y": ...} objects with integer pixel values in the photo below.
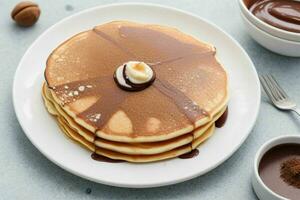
[
  {"x": 168, "y": 61},
  {"x": 222, "y": 120},
  {"x": 110, "y": 39},
  {"x": 109, "y": 104},
  {"x": 283, "y": 14},
  {"x": 191, "y": 110},
  {"x": 101, "y": 158},
  {"x": 270, "y": 169},
  {"x": 66, "y": 91},
  {"x": 191, "y": 154}
]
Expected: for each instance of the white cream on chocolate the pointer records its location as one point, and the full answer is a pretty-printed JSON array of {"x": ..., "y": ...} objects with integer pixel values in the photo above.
[{"x": 136, "y": 73}]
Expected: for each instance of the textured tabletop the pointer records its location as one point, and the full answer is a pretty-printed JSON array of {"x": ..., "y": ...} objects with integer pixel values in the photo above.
[{"x": 27, "y": 174}]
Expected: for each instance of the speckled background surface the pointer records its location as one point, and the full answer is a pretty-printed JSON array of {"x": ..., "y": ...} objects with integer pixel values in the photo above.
[{"x": 27, "y": 174}]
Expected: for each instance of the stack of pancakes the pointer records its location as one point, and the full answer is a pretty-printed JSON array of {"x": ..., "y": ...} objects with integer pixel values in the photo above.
[{"x": 170, "y": 118}]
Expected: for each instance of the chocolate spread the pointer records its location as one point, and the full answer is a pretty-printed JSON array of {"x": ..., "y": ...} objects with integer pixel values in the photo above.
[{"x": 283, "y": 14}]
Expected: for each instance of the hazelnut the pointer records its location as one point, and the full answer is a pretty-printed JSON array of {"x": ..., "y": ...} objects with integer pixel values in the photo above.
[{"x": 26, "y": 13}]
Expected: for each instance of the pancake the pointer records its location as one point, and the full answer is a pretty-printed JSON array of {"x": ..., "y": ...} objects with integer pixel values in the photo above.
[
  {"x": 75, "y": 136},
  {"x": 137, "y": 158},
  {"x": 57, "y": 110},
  {"x": 207, "y": 134},
  {"x": 79, "y": 75},
  {"x": 126, "y": 148}
]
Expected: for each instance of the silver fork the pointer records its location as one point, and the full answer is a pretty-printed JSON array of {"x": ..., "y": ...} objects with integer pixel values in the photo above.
[{"x": 277, "y": 95}]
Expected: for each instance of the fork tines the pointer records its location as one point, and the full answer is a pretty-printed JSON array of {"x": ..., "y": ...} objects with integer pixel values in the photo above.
[{"x": 272, "y": 88}]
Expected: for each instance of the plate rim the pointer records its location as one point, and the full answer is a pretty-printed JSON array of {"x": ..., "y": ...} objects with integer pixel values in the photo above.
[{"x": 132, "y": 185}]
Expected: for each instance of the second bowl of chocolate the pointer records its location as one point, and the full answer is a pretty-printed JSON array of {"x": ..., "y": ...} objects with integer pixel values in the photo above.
[
  {"x": 277, "y": 169},
  {"x": 280, "y": 18}
]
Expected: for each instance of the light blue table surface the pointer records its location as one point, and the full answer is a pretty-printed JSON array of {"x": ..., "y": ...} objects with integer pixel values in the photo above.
[{"x": 26, "y": 174}]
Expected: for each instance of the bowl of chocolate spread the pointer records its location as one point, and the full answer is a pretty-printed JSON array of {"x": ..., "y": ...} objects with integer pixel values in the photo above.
[
  {"x": 277, "y": 169},
  {"x": 274, "y": 24},
  {"x": 280, "y": 18}
]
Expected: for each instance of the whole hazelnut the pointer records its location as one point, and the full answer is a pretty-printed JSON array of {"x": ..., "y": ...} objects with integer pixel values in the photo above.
[{"x": 26, "y": 13}]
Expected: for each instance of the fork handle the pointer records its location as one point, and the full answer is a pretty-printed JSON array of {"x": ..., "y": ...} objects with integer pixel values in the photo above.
[{"x": 296, "y": 110}]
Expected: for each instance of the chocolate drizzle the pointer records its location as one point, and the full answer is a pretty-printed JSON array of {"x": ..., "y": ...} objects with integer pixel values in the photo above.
[
  {"x": 72, "y": 91},
  {"x": 191, "y": 154},
  {"x": 101, "y": 158},
  {"x": 185, "y": 104},
  {"x": 110, "y": 39},
  {"x": 222, "y": 120},
  {"x": 108, "y": 104}
]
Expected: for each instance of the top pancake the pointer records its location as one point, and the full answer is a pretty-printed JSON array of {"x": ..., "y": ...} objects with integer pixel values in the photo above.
[{"x": 191, "y": 85}]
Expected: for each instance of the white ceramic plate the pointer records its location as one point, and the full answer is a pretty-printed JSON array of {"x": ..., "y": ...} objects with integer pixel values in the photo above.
[{"x": 44, "y": 133}]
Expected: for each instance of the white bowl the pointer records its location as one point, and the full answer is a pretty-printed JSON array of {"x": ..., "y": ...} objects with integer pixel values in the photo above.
[
  {"x": 273, "y": 43},
  {"x": 261, "y": 190},
  {"x": 287, "y": 35}
]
